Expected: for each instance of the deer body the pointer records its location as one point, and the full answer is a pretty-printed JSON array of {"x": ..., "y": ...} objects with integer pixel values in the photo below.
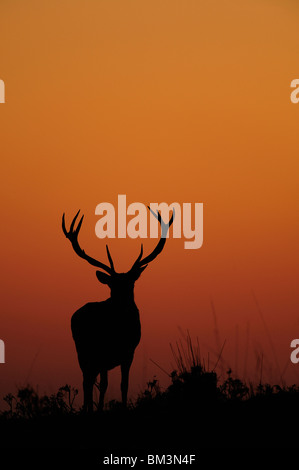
[
  {"x": 104, "y": 334},
  {"x": 107, "y": 333}
]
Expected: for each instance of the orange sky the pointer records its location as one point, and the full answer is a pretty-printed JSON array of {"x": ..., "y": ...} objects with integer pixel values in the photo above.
[{"x": 161, "y": 101}]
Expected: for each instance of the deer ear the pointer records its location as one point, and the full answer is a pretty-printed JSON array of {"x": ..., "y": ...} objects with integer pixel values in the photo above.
[
  {"x": 136, "y": 273},
  {"x": 103, "y": 277}
]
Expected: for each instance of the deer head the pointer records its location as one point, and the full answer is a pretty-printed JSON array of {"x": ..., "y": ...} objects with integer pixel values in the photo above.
[{"x": 121, "y": 284}]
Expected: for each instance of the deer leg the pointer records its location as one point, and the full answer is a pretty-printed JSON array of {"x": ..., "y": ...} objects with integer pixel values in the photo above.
[
  {"x": 88, "y": 383},
  {"x": 103, "y": 388},
  {"x": 125, "y": 369}
]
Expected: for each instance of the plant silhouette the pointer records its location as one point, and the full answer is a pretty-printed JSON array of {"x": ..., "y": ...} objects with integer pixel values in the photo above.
[
  {"x": 107, "y": 333},
  {"x": 196, "y": 413}
]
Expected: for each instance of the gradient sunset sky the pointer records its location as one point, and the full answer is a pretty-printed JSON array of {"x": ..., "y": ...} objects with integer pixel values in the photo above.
[{"x": 185, "y": 101}]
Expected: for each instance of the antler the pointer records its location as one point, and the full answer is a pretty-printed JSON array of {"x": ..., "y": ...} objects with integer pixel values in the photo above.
[
  {"x": 72, "y": 235},
  {"x": 159, "y": 247}
]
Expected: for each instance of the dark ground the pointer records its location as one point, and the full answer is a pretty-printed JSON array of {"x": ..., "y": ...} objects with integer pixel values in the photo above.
[{"x": 194, "y": 415}]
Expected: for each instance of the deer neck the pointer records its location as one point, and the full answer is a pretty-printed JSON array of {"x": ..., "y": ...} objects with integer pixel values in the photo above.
[{"x": 123, "y": 299}]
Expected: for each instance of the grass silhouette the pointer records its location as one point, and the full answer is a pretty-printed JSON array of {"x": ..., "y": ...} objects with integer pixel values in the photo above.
[{"x": 195, "y": 412}]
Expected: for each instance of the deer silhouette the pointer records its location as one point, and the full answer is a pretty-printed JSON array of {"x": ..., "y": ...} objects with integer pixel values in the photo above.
[{"x": 107, "y": 333}]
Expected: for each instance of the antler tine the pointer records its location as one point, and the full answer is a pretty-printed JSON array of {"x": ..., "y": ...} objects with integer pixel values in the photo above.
[
  {"x": 158, "y": 215},
  {"x": 136, "y": 264},
  {"x": 141, "y": 253},
  {"x": 72, "y": 235},
  {"x": 159, "y": 247},
  {"x": 74, "y": 221},
  {"x": 71, "y": 231},
  {"x": 63, "y": 226},
  {"x": 110, "y": 258},
  {"x": 164, "y": 226}
]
